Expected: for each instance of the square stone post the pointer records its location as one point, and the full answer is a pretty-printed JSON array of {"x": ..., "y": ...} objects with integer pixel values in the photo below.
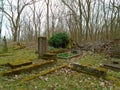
[
  {"x": 42, "y": 46},
  {"x": 5, "y": 48}
]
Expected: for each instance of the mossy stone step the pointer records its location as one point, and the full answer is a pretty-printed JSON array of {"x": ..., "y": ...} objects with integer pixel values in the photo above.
[
  {"x": 19, "y": 63},
  {"x": 44, "y": 72},
  {"x": 26, "y": 68},
  {"x": 58, "y": 51},
  {"x": 48, "y": 56},
  {"x": 6, "y": 54},
  {"x": 96, "y": 71}
]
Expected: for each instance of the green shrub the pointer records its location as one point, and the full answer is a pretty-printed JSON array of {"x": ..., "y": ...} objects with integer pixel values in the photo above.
[{"x": 59, "y": 40}]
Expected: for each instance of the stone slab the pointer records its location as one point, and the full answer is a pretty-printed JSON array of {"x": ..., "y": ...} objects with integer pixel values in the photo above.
[
  {"x": 96, "y": 71},
  {"x": 25, "y": 68},
  {"x": 112, "y": 64}
]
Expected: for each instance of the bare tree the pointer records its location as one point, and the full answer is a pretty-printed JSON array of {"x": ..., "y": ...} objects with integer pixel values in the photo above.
[
  {"x": 74, "y": 7},
  {"x": 37, "y": 16},
  {"x": 1, "y": 16},
  {"x": 83, "y": 20},
  {"x": 14, "y": 14},
  {"x": 47, "y": 17}
]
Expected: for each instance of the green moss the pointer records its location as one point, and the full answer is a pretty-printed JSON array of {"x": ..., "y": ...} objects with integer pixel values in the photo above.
[
  {"x": 19, "y": 55},
  {"x": 58, "y": 50},
  {"x": 113, "y": 73},
  {"x": 17, "y": 62},
  {"x": 67, "y": 55},
  {"x": 48, "y": 56},
  {"x": 99, "y": 72},
  {"x": 111, "y": 78},
  {"x": 25, "y": 68},
  {"x": 101, "y": 69},
  {"x": 6, "y": 54},
  {"x": 115, "y": 80},
  {"x": 64, "y": 79},
  {"x": 92, "y": 59},
  {"x": 117, "y": 83},
  {"x": 44, "y": 72},
  {"x": 17, "y": 47}
]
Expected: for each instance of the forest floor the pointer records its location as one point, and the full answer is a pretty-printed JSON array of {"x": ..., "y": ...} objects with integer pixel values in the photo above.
[{"x": 63, "y": 79}]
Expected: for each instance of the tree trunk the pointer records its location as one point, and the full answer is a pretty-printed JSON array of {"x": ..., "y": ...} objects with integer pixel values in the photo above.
[
  {"x": 48, "y": 32},
  {"x": 15, "y": 34}
]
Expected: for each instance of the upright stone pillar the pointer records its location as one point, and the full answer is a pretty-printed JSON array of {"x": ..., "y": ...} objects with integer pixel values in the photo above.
[
  {"x": 42, "y": 46},
  {"x": 5, "y": 48}
]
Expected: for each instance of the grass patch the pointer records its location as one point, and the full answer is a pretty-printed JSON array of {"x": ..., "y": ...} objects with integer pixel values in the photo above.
[
  {"x": 19, "y": 55},
  {"x": 66, "y": 55},
  {"x": 92, "y": 59},
  {"x": 63, "y": 79}
]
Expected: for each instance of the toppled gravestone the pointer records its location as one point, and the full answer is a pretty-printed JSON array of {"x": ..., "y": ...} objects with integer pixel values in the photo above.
[
  {"x": 26, "y": 68},
  {"x": 112, "y": 64},
  {"x": 95, "y": 71}
]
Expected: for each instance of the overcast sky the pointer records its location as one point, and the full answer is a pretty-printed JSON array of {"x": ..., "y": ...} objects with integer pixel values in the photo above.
[{"x": 5, "y": 31}]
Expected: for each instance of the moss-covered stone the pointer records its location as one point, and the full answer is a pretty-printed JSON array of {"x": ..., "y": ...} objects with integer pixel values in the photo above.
[
  {"x": 115, "y": 80},
  {"x": 19, "y": 47},
  {"x": 96, "y": 71},
  {"x": 111, "y": 78},
  {"x": 117, "y": 83},
  {"x": 19, "y": 63},
  {"x": 6, "y": 54},
  {"x": 112, "y": 64},
  {"x": 26, "y": 68},
  {"x": 58, "y": 51},
  {"x": 44, "y": 72},
  {"x": 48, "y": 56}
]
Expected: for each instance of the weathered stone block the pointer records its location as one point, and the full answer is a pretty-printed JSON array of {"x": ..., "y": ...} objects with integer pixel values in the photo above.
[
  {"x": 58, "y": 51},
  {"x": 26, "y": 68},
  {"x": 42, "y": 46},
  {"x": 96, "y": 71},
  {"x": 47, "y": 56},
  {"x": 112, "y": 64},
  {"x": 19, "y": 63}
]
